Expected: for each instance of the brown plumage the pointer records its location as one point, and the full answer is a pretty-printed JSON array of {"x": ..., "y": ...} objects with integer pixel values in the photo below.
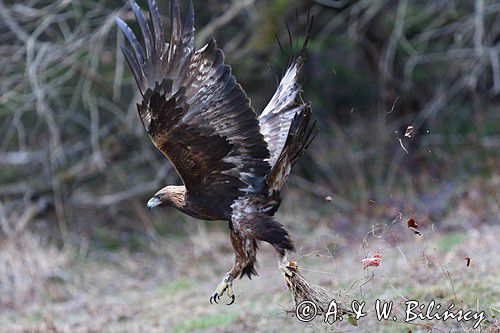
[{"x": 232, "y": 163}]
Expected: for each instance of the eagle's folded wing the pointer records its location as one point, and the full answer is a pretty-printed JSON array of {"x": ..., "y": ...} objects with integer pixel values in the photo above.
[{"x": 193, "y": 109}]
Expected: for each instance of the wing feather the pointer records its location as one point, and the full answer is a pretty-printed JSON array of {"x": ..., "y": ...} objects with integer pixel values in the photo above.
[
  {"x": 146, "y": 33},
  {"x": 286, "y": 122},
  {"x": 277, "y": 117},
  {"x": 154, "y": 14},
  {"x": 300, "y": 135}
]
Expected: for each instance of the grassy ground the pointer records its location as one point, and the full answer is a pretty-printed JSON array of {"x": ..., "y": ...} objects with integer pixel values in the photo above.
[{"x": 167, "y": 288}]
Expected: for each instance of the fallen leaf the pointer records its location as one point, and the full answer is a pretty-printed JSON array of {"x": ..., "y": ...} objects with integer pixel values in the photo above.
[
  {"x": 373, "y": 261},
  {"x": 413, "y": 226},
  {"x": 409, "y": 131}
]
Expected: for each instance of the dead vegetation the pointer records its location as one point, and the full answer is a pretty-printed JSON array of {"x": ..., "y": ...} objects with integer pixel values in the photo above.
[
  {"x": 26, "y": 261},
  {"x": 130, "y": 291}
]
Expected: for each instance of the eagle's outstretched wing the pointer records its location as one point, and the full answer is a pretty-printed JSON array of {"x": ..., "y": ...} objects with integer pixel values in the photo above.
[
  {"x": 193, "y": 109},
  {"x": 286, "y": 124}
]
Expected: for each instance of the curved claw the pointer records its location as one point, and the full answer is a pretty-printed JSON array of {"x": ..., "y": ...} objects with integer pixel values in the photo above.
[
  {"x": 213, "y": 298},
  {"x": 225, "y": 287},
  {"x": 232, "y": 300}
]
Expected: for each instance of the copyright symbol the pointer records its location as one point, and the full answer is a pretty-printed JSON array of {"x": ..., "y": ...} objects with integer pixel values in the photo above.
[{"x": 306, "y": 311}]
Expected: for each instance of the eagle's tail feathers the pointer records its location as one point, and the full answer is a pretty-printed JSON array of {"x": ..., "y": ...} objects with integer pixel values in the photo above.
[{"x": 260, "y": 226}]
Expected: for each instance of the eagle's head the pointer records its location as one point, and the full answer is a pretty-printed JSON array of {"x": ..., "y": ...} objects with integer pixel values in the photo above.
[{"x": 169, "y": 196}]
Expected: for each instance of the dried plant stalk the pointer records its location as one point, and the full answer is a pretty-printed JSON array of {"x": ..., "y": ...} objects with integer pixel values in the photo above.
[{"x": 302, "y": 289}]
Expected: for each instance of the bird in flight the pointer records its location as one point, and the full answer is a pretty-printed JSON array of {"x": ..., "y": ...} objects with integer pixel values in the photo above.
[{"x": 232, "y": 162}]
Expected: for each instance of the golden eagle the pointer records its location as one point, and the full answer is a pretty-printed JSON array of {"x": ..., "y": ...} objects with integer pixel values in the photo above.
[{"x": 232, "y": 163}]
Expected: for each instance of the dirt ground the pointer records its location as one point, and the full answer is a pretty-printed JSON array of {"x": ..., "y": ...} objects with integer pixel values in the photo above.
[{"x": 167, "y": 289}]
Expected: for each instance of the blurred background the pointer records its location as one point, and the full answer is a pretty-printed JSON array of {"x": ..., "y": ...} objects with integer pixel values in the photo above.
[{"x": 406, "y": 97}]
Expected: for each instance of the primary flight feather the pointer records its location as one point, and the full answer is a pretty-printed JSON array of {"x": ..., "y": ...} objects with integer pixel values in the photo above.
[{"x": 232, "y": 163}]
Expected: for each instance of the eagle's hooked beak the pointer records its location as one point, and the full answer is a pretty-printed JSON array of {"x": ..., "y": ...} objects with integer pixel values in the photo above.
[{"x": 153, "y": 202}]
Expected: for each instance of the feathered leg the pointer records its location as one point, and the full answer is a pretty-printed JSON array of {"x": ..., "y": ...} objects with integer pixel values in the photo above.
[
  {"x": 248, "y": 225},
  {"x": 245, "y": 259}
]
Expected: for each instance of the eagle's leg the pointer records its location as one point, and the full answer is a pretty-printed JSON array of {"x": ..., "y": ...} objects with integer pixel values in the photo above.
[
  {"x": 245, "y": 251},
  {"x": 226, "y": 285}
]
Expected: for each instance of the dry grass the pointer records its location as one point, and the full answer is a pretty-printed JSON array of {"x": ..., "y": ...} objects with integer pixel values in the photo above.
[
  {"x": 26, "y": 263},
  {"x": 167, "y": 289}
]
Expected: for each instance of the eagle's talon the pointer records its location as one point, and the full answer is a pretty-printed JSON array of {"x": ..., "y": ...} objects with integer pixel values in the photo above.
[{"x": 225, "y": 286}]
